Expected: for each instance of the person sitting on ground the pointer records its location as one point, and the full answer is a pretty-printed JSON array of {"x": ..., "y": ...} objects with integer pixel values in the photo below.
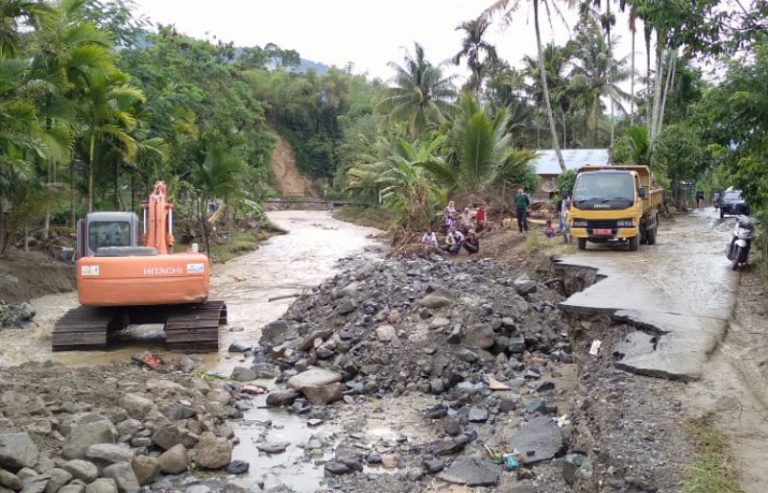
[
  {"x": 453, "y": 241},
  {"x": 429, "y": 238},
  {"x": 450, "y": 210},
  {"x": 480, "y": 217},
  {"x": 472, "y": 242},
  {"x": 549, "y": 231}
]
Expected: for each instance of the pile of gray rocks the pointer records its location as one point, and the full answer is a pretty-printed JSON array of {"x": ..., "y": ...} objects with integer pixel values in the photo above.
[
  {"x": 111, "y": 429},
  {"x": 412, "y": 325}
]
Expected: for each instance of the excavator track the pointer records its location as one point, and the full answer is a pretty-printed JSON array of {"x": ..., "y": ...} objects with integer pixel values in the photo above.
[
  {"x": 188, "y": 328},
  {"x": 195, "y": 328},
  {"x": 83, "y": 328}
]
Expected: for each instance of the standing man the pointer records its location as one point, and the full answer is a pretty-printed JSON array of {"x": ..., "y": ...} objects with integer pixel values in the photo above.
[{"x": 521, "y": 208}]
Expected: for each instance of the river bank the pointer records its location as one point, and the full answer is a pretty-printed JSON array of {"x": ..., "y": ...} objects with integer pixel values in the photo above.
[{"x": 429, "y": 371}]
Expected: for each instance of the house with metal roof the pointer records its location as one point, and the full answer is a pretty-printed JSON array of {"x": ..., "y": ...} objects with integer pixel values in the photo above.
[{"x": 548, "y": 168}]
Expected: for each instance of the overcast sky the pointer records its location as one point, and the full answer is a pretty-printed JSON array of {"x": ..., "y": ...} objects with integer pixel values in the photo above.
[{"x": 366, "y": 33}]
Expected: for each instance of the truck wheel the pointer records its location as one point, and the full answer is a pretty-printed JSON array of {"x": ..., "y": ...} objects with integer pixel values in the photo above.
[
  {"x": 582, "y": 243},
  {"x": 634, "y": 243},
  {"x": 651, "y": 235}
]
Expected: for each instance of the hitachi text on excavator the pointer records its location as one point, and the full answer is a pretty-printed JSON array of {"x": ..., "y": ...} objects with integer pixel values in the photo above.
[{"x": 124, "y": 279}]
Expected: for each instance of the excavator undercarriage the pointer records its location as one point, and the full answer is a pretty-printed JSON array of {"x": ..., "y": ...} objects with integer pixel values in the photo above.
[{"x": 192, "y": 328}]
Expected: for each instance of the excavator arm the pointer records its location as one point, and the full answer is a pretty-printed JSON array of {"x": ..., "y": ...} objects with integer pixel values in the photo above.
[{"x": 158, "y": 220}]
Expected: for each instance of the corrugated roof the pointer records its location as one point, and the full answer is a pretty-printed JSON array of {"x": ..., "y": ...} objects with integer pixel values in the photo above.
[{"x": 546, "y": 160}]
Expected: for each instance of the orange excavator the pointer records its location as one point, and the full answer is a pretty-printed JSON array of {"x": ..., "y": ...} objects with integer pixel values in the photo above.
[{"x": 121, "y": 282}]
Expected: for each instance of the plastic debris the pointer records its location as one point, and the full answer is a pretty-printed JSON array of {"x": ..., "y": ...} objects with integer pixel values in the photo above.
[{"x": 595, "y": 347}]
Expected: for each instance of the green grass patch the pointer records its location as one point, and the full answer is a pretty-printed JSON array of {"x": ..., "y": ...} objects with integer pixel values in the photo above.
[
  {"x": 537, "y": 242},
  {"x": 714, "y": 470},
  {"x": 371, "y": 217}
]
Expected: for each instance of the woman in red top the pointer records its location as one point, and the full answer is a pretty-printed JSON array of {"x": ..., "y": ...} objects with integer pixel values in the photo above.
[{"x": 480, "y": 217}]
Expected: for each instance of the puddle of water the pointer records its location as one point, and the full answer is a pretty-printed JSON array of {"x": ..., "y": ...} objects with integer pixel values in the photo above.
[{"x": 295, "y": 468}]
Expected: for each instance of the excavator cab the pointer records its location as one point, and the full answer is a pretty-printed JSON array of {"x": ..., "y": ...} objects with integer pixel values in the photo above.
[{"x": 103, "y": 234}]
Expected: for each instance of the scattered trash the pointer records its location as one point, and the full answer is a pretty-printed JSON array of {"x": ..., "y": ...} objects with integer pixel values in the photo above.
[
  {"x": 562, "y": 421},
  {"x": 595, "y": 347},
  {"x": 494, "y": 384},
  {"x": 253, "y": 390},
  {"x": 511, "y": 462}
]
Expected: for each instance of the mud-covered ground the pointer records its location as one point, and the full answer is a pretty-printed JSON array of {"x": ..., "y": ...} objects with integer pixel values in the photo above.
[
  {"x": 395, "y": 425},
  {"x": 24, "y": 276}
]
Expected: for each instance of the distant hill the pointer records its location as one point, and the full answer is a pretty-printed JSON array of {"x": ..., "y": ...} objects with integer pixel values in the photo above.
[{"x": 306, "y": 65}]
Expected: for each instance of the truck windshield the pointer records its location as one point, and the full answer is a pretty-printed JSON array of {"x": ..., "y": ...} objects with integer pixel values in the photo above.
[
  {"x": 604, "y": 190},
  {"x": 108, "y": 234}
]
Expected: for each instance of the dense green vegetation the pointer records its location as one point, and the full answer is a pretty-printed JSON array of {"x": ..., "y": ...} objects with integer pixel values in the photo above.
[{"x": 96, "y": 104}]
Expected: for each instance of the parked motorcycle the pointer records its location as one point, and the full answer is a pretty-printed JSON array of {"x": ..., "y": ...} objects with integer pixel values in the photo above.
[{"x": 737, "y": 250}]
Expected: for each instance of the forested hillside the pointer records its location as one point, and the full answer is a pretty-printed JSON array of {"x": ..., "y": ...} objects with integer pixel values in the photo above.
[{"x": 96, "y": 103}]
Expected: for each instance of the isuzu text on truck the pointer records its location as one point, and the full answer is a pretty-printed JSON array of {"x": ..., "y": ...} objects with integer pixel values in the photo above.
[{"x": 614, "y": 203}]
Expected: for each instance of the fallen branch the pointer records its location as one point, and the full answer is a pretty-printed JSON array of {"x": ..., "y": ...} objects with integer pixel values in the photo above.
[{"x": 283, "y": 297}]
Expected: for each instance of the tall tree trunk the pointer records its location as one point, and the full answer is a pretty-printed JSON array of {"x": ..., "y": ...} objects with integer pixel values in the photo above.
[
  {"x": 610, "y": 64},
  {"x": 657, "y": 88},
  {"x": 90, "y": 172},
  {"x": 648, "y": 33},
  {"x": 203, "y": 221},
  {"x": 2, "y": 210},
  {"x": 633, "y": 28},
  {"x": 47, "y": 219},
  {"x": 72, "y": 217},
  {"x": 671, "y": 72},
  {"x": 545, "y": 88}
]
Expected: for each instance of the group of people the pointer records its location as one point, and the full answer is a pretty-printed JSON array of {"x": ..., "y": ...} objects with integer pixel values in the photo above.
[
  {"x": 465, "y": 221},
  {"x": 461, "y": 230}
]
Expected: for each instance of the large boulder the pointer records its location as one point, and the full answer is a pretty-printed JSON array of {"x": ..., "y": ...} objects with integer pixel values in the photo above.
[
  {"x": 434, "y": 301},
  {"x": 82, "y": 470},
  {"x": 102, "y": 485},
  {"x": 174, "y": 460},
  {"x": 9, "y": 480},
  {"x": 212, "y": 452},
  {"x": 313, "y": 377},
  {"x": 169, "y": 436},
  {"x": 538, "y": 440},
  {"x": 59, "y": 478},
  {"x": 243, "y": 374},
  {"x": 472, "y": 472},
  {"x": 480, "y": 337},
  {"x": 124, "y": 477},
  {"x": 84, "y": 435},
  {"x": 146, "y": 468},
  {"x": 17, "y": 450},
  {"x": 136, "y": 405},
  {"x": 108, "y": 453},
  {"x": 324, "y": 394}
]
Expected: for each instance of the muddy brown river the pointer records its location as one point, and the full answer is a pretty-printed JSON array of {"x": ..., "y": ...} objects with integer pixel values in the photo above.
[{"x": 284, "y": 265}]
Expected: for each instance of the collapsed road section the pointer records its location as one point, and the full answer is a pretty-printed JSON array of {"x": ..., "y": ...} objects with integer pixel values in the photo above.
[{"x": 678, "y": 295}]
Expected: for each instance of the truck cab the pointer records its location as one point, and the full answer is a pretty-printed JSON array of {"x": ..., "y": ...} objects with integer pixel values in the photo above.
[{"x": 614, "y": 204}]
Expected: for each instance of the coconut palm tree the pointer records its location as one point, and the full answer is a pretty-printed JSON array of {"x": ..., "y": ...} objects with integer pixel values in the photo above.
[
  {"x": 507, "y": 8},
  {"x": 483, "y": 155},
  {"x": 476, "y": 50},
  {"x": 401, "y": 178},
  {"x": 105, "y": 107},
  {"x": 595, "y": 77},
  {"x": 14, "y": 14},
  {"x": 420, "y": 95}
]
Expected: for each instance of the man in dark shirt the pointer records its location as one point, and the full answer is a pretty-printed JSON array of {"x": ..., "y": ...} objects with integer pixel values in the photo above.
[{"x": 521, "y": 209}]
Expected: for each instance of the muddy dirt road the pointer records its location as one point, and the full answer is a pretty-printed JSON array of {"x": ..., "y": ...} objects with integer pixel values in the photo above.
[{"x": 695, "y": 323}]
